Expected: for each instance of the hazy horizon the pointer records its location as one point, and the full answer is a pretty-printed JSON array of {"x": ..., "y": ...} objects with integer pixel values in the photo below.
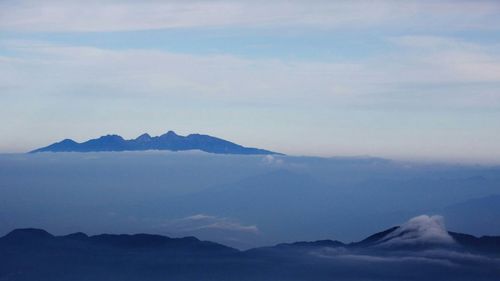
[
  {"x": 402, "y": 80},
  {"x": 232, "y": 199},
  {"x": 298, "y": 124},
  {"x": 409, "y": 158}
]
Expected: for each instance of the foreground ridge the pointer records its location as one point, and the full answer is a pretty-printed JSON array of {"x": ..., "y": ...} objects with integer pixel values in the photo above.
[
  {"x": 35, "y": 254},
  {"x": 384, "y": 240}
]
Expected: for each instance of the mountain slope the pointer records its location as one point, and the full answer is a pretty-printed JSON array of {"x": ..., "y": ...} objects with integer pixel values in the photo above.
[
  {"x": 479, "y": 215},
  {"x": 34, "y": 254},
  {"x": 168, "y": 141}
]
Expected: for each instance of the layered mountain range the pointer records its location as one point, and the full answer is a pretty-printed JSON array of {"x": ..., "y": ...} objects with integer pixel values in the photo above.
[
  {"x": 414, "y": 251},
  {"x": 168, "y": 141}
]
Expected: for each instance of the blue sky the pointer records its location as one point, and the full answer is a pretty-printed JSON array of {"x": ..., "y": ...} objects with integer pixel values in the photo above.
[{"x": 399, "y": 79}]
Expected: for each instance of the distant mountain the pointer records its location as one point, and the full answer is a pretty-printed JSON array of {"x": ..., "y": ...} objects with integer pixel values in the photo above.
[
  {"x": 390, "y": 240},
  {"x": 34, "y": 238},
  {"x": 168, "y": 141},
  {"x": 471, "y": 243},
  {"x": 34, "y": 254},
  {"x": 478, "y": 214}
]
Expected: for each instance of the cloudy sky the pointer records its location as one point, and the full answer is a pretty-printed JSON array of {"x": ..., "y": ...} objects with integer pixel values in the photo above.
[{"x": 400, "y": 79}]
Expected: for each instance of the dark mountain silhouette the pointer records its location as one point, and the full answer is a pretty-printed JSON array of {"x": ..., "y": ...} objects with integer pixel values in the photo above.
[
  {"x": 488, "y": 244},
  {"x": 375, "y": 238},
  {"x": 34, "y": 254},
  {"x": 483, "y": 244},
  {"x": 31, "y": 237},
  {"x": 168, "y": 141}
]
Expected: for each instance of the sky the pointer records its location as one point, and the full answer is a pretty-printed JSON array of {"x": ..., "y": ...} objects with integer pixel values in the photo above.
[{"x": 398, "y": 79}]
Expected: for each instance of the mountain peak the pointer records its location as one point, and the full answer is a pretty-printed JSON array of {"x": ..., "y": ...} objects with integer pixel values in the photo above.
[
  {"x": 68, "y": 141},
  {"x": 419, "y": 231},
  {"x": 28, "y": 234},
  {"x": 143, "y": 137},
  {"x": 77, "y": 236},
  {"x": 168, "y": 141},
  {"x": 112, "y": 137},
  {"x": 169, "y": 134}
]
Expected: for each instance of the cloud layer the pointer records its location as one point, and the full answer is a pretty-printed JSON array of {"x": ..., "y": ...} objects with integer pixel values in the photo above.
[
  {"x": 132, "y": 15},
  {"x": 422, "y": 62}
]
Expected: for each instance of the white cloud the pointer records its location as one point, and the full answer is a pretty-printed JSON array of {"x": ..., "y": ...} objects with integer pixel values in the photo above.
[
  {"x": 272, "y": 160},
  {"x": 201, "y": 221},
  {"x": 57, "y": 15},
  {"x": 394, "y": 259},
  {"x": 58, "y": 70},
  {"x": 459, "y": 256},
  {"x": 64, "y": 70},
  {"x": 419, "y": 230},
  {"x": 444, "y": 59},
  {"x": 444, "y": 257}
]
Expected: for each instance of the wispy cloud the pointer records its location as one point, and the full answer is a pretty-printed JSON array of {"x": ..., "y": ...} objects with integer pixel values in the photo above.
[
  {"x": 141, "y": 15},
  {"x": 61, "y": 70},
  {"x": 201, "y": 221}
]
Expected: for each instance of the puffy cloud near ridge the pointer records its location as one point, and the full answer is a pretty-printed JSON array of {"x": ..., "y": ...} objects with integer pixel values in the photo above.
[
  {"x": 423, "y": 229},
  {"x": 420, "y": 230}
]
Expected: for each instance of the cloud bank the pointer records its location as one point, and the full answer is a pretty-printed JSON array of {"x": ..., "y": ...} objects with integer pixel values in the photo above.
[
  {"x": 96, "y": 16},
  {"x": 72, "y": 71}
]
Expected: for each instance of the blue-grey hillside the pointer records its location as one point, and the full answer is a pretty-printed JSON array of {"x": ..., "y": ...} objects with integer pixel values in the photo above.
[
  {"x": 420, "y": 249},
  {"x": 168, "y": 141}
]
